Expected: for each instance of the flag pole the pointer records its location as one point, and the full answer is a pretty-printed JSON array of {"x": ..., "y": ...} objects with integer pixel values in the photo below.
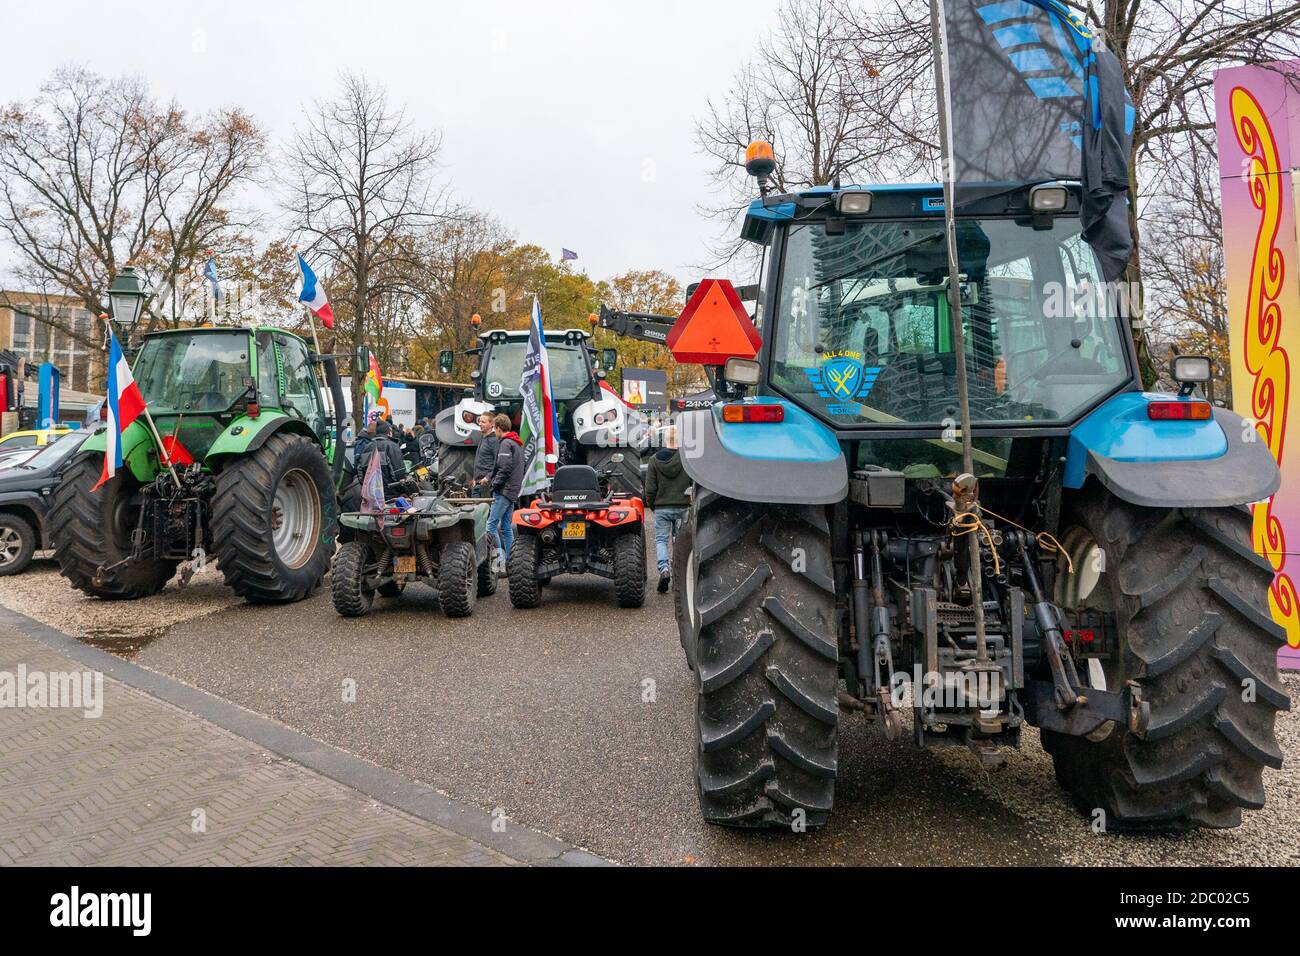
[
  {"x": 162, "y": 449},
  {"x": 965, "y": 488}
]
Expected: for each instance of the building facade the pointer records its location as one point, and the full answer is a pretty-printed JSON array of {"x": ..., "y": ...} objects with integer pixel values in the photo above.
[{"x": 58, "y": 329}]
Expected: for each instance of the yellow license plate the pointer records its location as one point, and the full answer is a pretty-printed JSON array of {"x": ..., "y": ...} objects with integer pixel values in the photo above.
[
  {"x": 406, "y": 564},
  {"x": 575, "y": 531}
]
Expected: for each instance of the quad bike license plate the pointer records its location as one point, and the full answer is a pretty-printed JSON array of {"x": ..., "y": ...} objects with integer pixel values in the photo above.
[
  {"x": 575, "y": 531},
  {"x": 406, "y": 564}
]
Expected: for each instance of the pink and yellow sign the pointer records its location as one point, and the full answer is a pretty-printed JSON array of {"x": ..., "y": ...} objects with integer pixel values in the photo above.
[{"x": 1258, "y": 110}]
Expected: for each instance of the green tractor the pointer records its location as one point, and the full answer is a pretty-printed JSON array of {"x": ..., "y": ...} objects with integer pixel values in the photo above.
[{"x": 247, "y": 479}]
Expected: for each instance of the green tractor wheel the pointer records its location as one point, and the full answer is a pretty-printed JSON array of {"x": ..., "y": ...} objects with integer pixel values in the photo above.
[
  {"x": 766, "y": 663},
  {"x": 274, "y": 520},
  {"x": 91, "y": 534},
  {"x": 1190, "y": 598}
]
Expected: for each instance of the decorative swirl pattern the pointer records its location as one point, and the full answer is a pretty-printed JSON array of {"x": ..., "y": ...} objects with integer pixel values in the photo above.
[{"x": 1265, "y": 360}]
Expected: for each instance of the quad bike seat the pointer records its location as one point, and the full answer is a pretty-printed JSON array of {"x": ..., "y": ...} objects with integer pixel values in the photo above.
[{"x": 577, "y": 485}]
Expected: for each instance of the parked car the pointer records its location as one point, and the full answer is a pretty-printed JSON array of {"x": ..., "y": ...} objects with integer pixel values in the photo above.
[
  {"x": 25, "y": 490},
  {"x": 31, "y": 438}
]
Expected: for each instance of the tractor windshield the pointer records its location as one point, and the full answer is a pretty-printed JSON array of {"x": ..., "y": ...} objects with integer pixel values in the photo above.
[
  {"x": 201, "y": 373},
  {"x": 862, "y": 333},
  {"x": 570, "y": 373}
]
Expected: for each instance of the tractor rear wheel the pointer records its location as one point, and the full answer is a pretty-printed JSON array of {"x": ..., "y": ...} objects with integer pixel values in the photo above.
[
  {"x": 348, "y": 580},
  {"x": 1190, "y": 600},
  {"x": 457, "y": 462},
  {"x": 457, "y": 579},
  {"x": 767, "y": 663},
  {"x": 629, "y": 569},
  {"x": 682, "y": 569},
  {"x": 274, "y": 520},
  {"x": 626, "y": 474},
  {"x": 521, "y": 571},
  {"x": 91, "y": 530}
]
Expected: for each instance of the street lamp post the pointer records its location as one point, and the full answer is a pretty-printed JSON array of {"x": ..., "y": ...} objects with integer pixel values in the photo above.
[{"x": 127, "y": 296}]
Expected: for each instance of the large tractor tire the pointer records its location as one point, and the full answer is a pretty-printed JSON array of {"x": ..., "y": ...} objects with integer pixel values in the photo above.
[
  {"x": 457, "y": 578},
  {"x": 767, "y": 664},
  {"x": 91, "y": 530},
  {"x": 521, "y": 571},
  {"x": 348, "y": 580},
  {"x": 457, "y": 462},
  {"x": 682, "y": 570},
  {"x": 629, "y": 569},
  {"x": 627, "y": 473},
  {"x": 1190, "y": 599},
  {"x": 274, "y": 520}
]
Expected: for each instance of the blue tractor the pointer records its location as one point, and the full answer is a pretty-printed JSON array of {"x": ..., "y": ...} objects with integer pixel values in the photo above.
[{"x": 825, "y": 570}]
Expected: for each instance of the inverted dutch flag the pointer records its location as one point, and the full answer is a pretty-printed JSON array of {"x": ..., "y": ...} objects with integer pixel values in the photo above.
[
  {"x": 313, "y": 293},
  {"x": 124, "y": 404},
  {"x": 537, "y": 427}
]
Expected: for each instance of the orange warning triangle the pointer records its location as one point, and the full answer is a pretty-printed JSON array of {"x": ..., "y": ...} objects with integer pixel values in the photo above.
[{"x": 713, "y": 327}]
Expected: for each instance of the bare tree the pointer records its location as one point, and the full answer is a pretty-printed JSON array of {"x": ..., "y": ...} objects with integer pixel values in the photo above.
[
  {"x": 94, "y": 174},
  {"x": 359, "y": 186},
  {"x": 800, "y": 93}
]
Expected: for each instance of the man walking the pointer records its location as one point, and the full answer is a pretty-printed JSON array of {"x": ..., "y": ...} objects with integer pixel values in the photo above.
[
  {"x": 666, "y": 487},
  {"x": 506, "y": 481}
]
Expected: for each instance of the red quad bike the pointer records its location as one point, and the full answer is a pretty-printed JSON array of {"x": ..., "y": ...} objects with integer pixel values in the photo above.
[{"x": 580, "y": 527}]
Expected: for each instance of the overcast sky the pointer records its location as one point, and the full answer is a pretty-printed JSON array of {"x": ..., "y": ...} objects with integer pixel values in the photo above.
[{"x": 570, "y": 121}]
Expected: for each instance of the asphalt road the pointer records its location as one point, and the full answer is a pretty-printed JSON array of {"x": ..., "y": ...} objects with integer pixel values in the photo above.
[{"x": 577, "y": 719}]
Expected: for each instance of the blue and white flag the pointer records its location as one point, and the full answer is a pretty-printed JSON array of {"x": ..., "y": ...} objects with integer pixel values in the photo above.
[
  {"x": 538, "y": 427},
  {"x": 567, "y": 255}
]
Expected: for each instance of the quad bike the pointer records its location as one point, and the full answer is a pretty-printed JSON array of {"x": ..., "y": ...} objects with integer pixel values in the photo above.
[
  {"x": 594, "y": 424},
  {"x": 441, "y": 540},
  {"x": 1091, "y": 574},
  {"x": 251, "y": 481},
  {"x": 580, "y": 527}
]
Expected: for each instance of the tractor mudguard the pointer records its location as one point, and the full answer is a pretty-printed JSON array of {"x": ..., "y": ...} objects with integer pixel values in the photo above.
[
  {"x": 138, "y": 451},
  {"x": 797, "y": 461},
  {"x": 244, "y": 435},
  {"x": 1170, "y": 464}
]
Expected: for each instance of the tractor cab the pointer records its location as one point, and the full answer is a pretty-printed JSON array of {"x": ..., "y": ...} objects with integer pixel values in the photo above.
[
  {"x": 856, "y": 318},
  {"x": 198, "y": 382}
]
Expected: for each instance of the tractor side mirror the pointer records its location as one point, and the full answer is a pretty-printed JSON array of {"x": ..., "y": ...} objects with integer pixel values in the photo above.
[
  {"x": 608, "y": 359},
  {"x": 446, "y": 361}
]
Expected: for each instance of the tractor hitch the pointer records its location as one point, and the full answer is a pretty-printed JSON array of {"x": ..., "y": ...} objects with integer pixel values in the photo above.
[{"x": 1126, "y": 708}]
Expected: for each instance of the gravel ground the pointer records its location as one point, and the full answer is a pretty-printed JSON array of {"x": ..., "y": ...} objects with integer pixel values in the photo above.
[
  {"x": 120, "y": 627},
  {"x": 576, "y": 719}
]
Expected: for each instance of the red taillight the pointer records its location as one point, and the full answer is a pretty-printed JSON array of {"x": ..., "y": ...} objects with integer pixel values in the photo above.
[
  {"x": 254, "y": 409},
  {"x": 753, "y": 413},
  {"x": 617, "y": 515},
  {"x": 398, "y": 532},
  {"x": 1179, "y": 411},
  {"x": 532, "y": 517}
]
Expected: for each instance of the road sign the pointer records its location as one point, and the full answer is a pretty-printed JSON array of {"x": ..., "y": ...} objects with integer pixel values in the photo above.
[{"x": 713, "y": 327}]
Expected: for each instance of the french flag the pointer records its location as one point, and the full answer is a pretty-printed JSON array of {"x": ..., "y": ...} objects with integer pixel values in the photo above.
[
  {"x": 313, "y": 293},
  {"x": 124, "y": 405}
]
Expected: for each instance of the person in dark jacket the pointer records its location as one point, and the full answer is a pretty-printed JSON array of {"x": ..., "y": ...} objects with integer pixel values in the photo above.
[
  {"x": 666, "y": 494},
  {"x": 391, "y": 464},
  {"x": 506, "y": 481},
  {"x": 485, "y": 459}
]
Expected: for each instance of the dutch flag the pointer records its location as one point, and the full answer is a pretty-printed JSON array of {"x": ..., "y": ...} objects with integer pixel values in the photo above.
[
  {"x": 313, "y": 293},
  {"x": 124, "y": 405}
]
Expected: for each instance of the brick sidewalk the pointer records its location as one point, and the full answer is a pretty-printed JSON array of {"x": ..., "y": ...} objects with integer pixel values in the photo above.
[{"x": 123, "y": 788}]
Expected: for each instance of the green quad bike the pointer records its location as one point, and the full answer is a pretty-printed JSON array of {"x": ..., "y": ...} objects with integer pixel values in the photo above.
[
  {"x": 595, "y": 427},
  {"x": 256, "y": 489},
  {"x": 441, "y": 540},
  {"x": 824, "y": 569}
]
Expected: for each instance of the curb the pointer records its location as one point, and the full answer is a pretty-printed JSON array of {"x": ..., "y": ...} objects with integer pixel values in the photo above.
[{"x": 465, "y": 819}]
